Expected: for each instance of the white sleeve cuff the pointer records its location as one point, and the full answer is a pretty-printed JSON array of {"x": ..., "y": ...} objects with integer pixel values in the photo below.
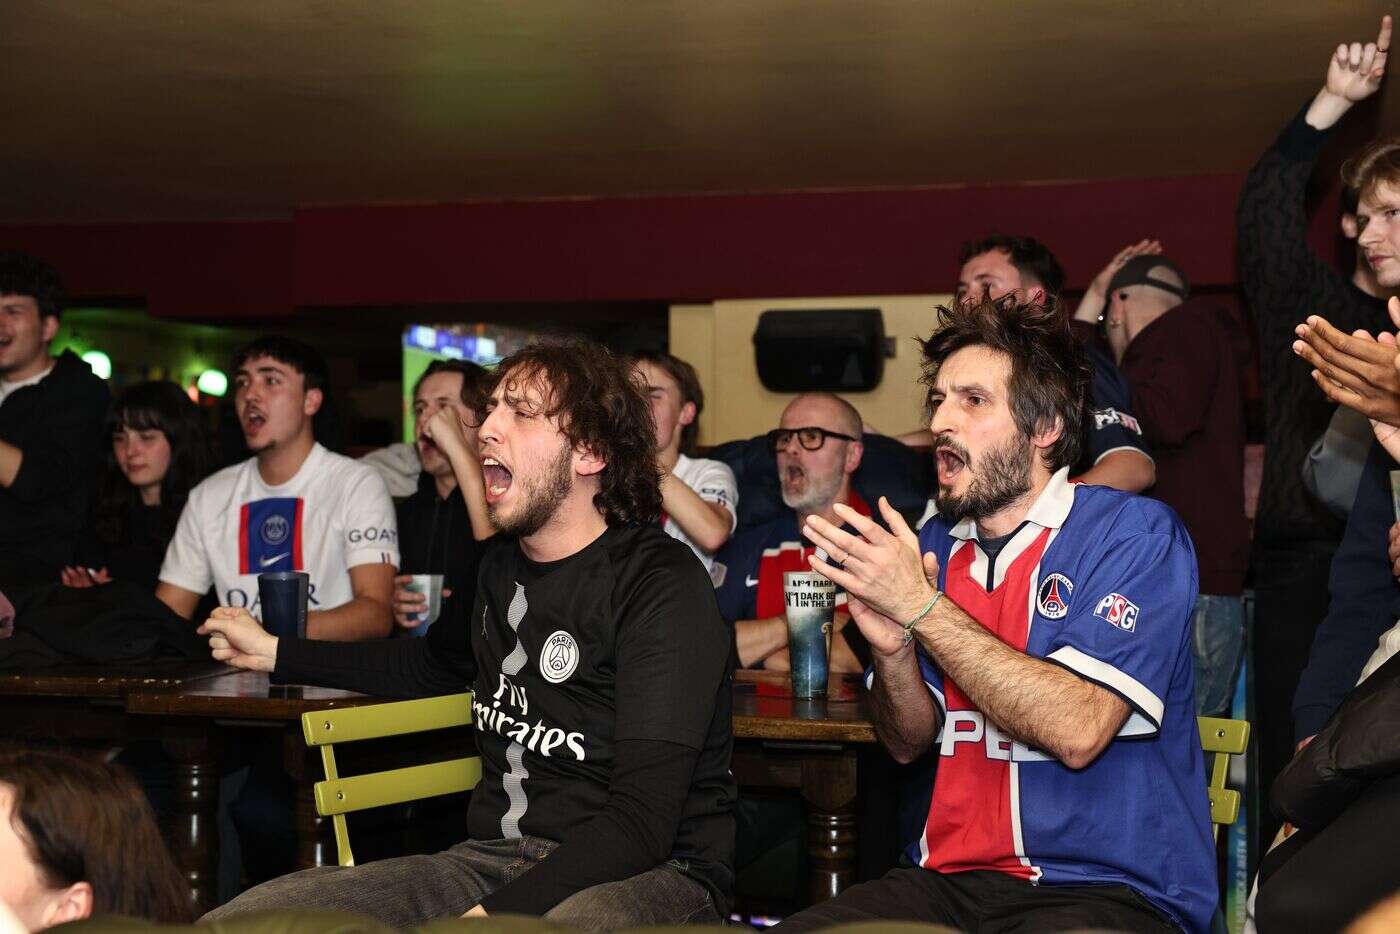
[{"x": 1146, "y": 716}]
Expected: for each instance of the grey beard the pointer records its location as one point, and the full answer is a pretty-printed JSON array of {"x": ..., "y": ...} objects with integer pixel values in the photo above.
[
  {"x": 541, "y": 500},
  {"x": 1003, "y": 476},
  {"x": 818, "y": 497}
]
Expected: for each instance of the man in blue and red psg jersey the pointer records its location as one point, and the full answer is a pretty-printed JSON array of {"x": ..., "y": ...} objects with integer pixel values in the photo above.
[
  {"x": 818, "y": 448},
  {"x": 1038, "y": 632}
]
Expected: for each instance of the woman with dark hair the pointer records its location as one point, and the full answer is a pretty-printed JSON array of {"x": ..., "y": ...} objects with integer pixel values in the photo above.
[
  {"x": 159, "y": 451},
  {"x": 78, "y": 839}
]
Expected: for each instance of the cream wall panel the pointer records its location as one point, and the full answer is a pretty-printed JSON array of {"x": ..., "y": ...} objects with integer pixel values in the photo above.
[{"x": 718, "y": 340}]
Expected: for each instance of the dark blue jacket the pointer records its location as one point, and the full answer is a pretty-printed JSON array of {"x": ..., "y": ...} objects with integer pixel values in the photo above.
[{"x": 1365, "y": 601}]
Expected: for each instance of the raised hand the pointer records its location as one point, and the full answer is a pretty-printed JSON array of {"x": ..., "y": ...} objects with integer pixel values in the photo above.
[
  {"x": 1355, "y": 71},
  {"x": 1356, "y": 370},
  {"x": 883, "y": 569},
  {"x": 446, "y": 430},
  {"x": 1095, "y": 298},
  {"x": 239, "y": 640}
]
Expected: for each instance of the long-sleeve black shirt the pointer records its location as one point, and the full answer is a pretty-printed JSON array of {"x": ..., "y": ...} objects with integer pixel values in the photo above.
[
  {"x": 1285, "y": 282},
  {"x": 664, "y": 796}
]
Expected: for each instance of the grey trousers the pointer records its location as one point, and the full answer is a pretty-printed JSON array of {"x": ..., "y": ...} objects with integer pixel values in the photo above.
[{"x": 412, "y": 890}]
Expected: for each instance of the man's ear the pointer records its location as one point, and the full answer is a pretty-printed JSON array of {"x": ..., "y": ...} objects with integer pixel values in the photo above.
[
  {"x": 73, "y": 903},
  {"x": 687, "y": 414},
  {"x": 312, "y": 403},
  {"x": 855, "y": 450},
  {"x": 48, "y": 327},
  {"x": 1035, "y": 295},
  {"x": 1046, "y": 437},
  {"x": 1350, "y": 229},
  {"x": 587, "y": 463}
]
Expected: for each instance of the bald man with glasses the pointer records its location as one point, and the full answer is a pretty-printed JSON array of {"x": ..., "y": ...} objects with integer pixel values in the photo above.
[{"x": 818, "y": 448}]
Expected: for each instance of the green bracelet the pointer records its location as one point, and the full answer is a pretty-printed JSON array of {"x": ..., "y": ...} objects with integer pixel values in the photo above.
[{"x": 909, "y": 626}]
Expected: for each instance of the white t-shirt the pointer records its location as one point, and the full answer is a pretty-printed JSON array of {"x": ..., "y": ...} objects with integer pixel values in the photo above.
[
  {"x": 713, "y": 482},
  {"x": 335, "y": 514}
]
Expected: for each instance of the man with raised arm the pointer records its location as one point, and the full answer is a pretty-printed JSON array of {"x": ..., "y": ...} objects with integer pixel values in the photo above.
[
  {"x": 602, "y": 682},
  {"x": 1295, "y": 536},
  {"x": 1038, "y": 633}
]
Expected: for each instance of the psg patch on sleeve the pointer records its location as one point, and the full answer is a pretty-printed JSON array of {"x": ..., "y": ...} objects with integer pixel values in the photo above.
[{"x": 1052, "y": 600}]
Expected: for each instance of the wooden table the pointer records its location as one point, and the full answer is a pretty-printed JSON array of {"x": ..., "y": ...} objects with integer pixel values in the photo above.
[
  {"x": 812, "y": 746},
  {"x": 780, "y": 742}
]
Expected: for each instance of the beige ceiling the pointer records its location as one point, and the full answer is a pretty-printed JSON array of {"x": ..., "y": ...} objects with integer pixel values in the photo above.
[{"x": 140, "y": 109}]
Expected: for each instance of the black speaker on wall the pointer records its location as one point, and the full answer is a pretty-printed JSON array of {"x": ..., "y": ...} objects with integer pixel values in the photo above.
[{"x": 840, "y": 350}]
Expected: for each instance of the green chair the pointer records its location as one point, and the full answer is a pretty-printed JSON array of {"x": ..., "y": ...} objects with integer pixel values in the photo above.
[
  {"x": 336, "y": 796},
  {"x": 1222, "y": 738}
]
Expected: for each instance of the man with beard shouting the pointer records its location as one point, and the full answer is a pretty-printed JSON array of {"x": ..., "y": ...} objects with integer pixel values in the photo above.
[
  {"x": 602, "y": 692},
  {"x": 1039, "y": 633}
]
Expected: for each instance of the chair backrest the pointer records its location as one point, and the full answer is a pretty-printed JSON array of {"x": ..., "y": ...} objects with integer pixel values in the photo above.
[
  {"x": 337, "y": 796},
  {"x": 1223, "y": 738}
]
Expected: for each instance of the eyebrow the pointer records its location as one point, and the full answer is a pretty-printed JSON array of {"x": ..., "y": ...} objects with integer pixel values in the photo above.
[{"x": 968, "y": 387}]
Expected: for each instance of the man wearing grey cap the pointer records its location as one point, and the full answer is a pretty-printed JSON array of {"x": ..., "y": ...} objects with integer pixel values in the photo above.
[{"x": 1179, "y": 360}]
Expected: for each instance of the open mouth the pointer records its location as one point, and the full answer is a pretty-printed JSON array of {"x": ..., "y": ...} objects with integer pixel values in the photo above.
[
  {"x": 252, "y": 421},
  {"x": 950, "y": 464},
  {"x": 497, "y": 478},
  {"x": 794, "y": 475}
]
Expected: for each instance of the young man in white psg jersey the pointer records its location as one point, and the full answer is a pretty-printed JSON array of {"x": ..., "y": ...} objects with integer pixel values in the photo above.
[
  {"x": 602, "y": 681},
  {"x": 699, "y": 497},
  {"x": 292, "y": 506}
]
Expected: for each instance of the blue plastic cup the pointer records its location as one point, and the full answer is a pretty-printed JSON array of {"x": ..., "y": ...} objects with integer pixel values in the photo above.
[
  {"x": 809, "y": 602},
  {"x": 283, "y": 596}
]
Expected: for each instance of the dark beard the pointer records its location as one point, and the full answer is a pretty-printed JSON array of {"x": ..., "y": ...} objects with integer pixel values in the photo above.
[
  {"x": 540, "y": 500},
  {"x": 1003, "y": 476}
]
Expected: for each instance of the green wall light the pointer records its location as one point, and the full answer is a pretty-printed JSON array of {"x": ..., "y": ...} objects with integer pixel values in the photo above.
[
  {"x": 213, "y": 383},
  {"x": 101, "y": 363}
]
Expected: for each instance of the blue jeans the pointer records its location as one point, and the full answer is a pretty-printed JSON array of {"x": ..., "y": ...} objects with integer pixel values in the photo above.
[
  {"x": 411, "y": 890},
  {"x": 1217, "y": 644}
]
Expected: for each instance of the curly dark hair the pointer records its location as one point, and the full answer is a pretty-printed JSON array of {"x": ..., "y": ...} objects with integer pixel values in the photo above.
[
  {"x": 601, "y": 408},
  {"x": 1032, "y": 259},
  {"x": 1050, "y": 373},
  {"x": 164, "y": 407},
  {"x": 83, "y": 820},
  {"x": 22, "y": 274}
]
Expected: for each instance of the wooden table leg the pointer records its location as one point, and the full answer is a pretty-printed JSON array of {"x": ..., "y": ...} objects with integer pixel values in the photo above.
[
  {"x": 191, "y": 830},
  {"x": 315, "y": 836},
  {"x": 829, "y": 792}
]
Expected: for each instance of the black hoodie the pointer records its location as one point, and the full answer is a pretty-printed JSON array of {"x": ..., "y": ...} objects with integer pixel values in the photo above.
[{"x": 57, "y": 423}]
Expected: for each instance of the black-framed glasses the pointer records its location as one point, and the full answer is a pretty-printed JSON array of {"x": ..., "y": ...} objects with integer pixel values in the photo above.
[{"x": 810, "y": 438}]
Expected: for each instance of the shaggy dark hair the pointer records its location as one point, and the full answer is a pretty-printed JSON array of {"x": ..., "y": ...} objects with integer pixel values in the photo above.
[
  {"x": 1032, "y": 259},
  {"x": 82, "y": 820},
  {"x": 687, "y": 381},
  {"x": 600, "y": 408},
  {"x": 22, "y": 274},
  {"x": 164, "y": 407},
  {"x": 1050, "y": 373},
  {"x": 476, "y": 382}
]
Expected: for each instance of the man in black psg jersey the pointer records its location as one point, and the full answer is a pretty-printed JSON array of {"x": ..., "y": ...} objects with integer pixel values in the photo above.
[{"x": 602, "y": 685}]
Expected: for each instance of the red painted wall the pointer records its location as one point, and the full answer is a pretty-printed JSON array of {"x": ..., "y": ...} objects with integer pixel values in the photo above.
[{"x": 656, "y": 248}]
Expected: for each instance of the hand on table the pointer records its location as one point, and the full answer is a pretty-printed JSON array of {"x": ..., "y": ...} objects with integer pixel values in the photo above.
[
  {"x": 237, "y": 639},
  {"x": 84, "y": 577}
]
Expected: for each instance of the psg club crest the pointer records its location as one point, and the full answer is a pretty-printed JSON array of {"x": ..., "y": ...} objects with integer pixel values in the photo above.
[
  {"x": 1053, "y": 598},
  {"x": 559, "y": 657}
]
